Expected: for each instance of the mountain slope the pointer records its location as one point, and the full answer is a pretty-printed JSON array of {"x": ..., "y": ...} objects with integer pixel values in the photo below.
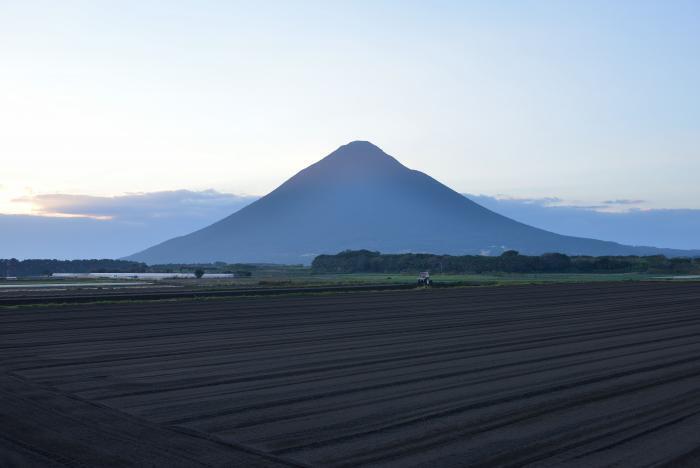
[{"x": 358, "y": 197}]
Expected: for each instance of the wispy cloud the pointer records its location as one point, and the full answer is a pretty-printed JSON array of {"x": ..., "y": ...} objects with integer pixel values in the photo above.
[
  {"x": 607, "y": 206},
  {"x": 544, "y": 201},
  {"x": 624, "y": 201}
]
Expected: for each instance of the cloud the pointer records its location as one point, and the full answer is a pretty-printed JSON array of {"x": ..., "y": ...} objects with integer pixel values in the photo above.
[
  {"x": 82, "y": 226},
  {"x": 617, "y": 220},
  {"x": 205, "y": 204}
]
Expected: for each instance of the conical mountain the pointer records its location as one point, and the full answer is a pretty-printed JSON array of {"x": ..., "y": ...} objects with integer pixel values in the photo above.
[{"x": 359, "y": 197}]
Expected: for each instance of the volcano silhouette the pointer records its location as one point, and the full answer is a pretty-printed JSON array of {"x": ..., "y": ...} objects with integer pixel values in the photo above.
[{"x": 359, "y": 197}]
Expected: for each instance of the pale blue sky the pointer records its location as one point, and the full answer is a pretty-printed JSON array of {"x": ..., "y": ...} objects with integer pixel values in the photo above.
[{"x": 584, "y": 101}]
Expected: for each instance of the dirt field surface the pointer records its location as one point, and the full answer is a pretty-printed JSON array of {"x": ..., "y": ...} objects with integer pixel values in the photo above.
[
  {"x": 543, "y": 375},
  {"x": 47, "y": 296}
]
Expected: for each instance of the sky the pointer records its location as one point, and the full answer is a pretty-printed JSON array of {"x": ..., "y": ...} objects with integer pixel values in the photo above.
[{"x": 576, "y": 101}]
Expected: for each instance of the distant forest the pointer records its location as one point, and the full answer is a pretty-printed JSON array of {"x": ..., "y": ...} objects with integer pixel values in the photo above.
[{"x": 365, "y": 261}]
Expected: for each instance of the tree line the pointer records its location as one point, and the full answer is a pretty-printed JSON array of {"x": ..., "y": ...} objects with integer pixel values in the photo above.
[
  {"x": 46, "y": 267},
  {"x": 366, "y": 261}
]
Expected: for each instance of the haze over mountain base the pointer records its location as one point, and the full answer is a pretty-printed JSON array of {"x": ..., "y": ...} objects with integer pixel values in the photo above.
[{"x": 358, "y": 197}]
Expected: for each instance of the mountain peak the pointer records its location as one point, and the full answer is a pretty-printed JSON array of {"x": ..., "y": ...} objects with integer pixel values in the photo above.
[
  {"x": 359, "y": 155},
  {"x": 352, "y": 161},
  {"x": 361, "y": 144},
  {"x": 359, "y": 147}
]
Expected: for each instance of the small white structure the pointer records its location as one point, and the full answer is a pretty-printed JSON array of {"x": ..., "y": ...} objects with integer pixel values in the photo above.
[{"x": 143, "y": 276}]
